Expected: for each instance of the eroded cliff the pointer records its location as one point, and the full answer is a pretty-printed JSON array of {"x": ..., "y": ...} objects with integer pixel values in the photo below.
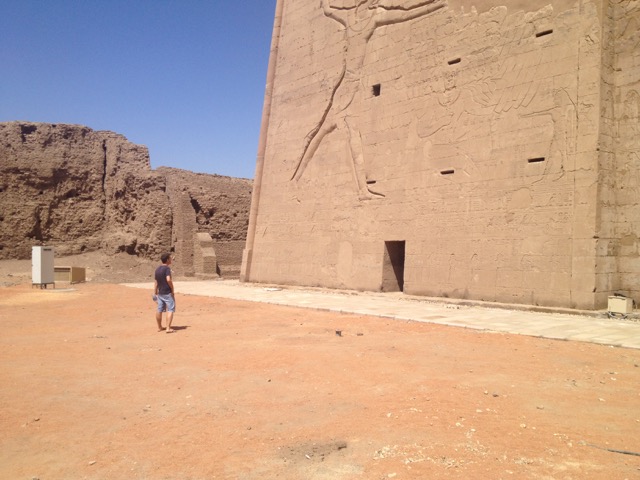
[{"x": 82, "y": 190}]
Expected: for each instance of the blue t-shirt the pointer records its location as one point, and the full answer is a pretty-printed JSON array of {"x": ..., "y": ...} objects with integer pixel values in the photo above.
[{"x": 162, "y": 272}]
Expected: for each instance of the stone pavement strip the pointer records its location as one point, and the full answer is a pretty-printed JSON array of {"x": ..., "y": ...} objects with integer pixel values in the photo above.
[{"x": 594, "y": 327}]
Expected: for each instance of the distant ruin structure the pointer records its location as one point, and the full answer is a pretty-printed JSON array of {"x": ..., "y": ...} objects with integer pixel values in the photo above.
[
  {"x": 82, "y": 190},
  {"x": 481, "y": 150},
  {"x": 210, "y": 221}
]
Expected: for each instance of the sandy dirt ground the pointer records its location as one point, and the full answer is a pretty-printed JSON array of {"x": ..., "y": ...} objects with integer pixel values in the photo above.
[
  {"x": 99, "y": 268},
  {"x": 90, "y": 390}
]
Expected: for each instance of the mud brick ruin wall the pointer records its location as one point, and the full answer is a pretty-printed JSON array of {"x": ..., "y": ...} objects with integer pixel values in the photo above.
[
  {"x": 79, "y": 190},
  {"x": 84, "y": 190},
  {"x": 486, "y": 152},
  {"x": 211, "y": 204}
]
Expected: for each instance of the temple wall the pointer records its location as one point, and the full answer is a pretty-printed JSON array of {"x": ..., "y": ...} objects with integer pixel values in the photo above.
[
  {"x": 622, "y": 170},
  {"x": 469, "y": 139}
]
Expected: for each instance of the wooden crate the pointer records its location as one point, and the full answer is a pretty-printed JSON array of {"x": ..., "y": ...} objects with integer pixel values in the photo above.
[{"x": 69, "y": 274}]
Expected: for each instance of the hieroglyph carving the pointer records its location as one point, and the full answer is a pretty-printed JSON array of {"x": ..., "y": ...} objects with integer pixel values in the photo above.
[
  {"x": 460, "y": 125},
  {"x": 359, "y": 20},
  {"x": 563, "y": 115}
]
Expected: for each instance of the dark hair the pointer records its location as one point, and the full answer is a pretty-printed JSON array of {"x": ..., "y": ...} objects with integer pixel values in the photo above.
[{"x": 165, "y": 257}]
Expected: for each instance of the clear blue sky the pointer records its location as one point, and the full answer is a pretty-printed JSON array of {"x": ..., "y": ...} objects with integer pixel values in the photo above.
[{"x": 185, "y": 78}]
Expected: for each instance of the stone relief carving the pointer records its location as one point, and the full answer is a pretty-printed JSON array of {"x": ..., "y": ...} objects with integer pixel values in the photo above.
[
  {"x": 631, "y": 108},
  {"x": 457, "y": 124},
  {"x": 454, "y": 130},
  {"x": 359, "y": 19},
  {"x": 563, "y": 116},
  {"x": 628, "y": 126},
  {"x": 445, "y": 123},
  {"x": 628, "y": 33}
]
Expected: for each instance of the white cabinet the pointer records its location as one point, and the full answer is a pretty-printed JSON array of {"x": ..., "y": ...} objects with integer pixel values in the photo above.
[
  {"x": 623, "y": 305},
  {"x": 42, "y": 270}
]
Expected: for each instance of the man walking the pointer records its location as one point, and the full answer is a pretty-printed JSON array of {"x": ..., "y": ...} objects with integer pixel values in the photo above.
[{"x": 164, "y": 293}]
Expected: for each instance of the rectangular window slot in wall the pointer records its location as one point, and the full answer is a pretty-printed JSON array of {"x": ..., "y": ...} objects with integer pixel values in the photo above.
[
  {"x": 536, "y": 160},
  {"x": 376, "y": 90},
  {"x": 447, "y": 172},
  {"x": 454, "y": 61},
  {"x": 544, "y": 32}
]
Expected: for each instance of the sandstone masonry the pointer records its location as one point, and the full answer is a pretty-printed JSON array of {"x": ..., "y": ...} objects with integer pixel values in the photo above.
[{"x": 488, "y": 152}]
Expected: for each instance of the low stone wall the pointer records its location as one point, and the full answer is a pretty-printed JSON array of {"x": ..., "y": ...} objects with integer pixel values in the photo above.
[{"x": 229, "y": 257}]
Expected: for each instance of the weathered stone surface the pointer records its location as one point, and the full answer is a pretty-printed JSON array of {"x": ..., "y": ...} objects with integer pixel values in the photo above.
[
  {"x": 83, "y": 190},
  {"x": 205, "y": 262},
  {"x": 80, "y": 190},
  {"x": 212, "y": 204},
  {"x": 490, "y": 149}
]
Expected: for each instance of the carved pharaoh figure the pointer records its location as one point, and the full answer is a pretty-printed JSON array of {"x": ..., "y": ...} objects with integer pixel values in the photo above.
[
  {"x": 563, "y": 120},
  {"x": 359, "y": 21}
]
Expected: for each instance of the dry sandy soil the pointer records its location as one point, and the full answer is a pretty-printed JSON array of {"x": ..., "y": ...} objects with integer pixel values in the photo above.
[
  {"x": 90, "y": 390},
  {"x": 100, "y": 268}
]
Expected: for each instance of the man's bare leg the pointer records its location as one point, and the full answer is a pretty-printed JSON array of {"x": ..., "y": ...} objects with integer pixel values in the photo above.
[
  {"x": 169, "y": 320},
  {"x": 159, "y": 320}
]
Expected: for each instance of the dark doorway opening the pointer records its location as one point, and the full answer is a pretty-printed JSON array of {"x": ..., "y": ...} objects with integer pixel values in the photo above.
[{"x": 393, "y": 266}]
